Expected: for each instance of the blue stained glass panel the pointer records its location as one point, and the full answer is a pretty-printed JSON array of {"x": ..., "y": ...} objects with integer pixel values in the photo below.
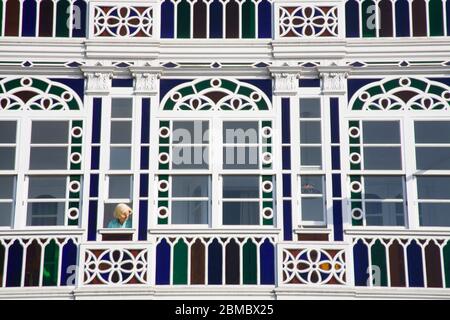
[
  {"x": 143, "y": 219},
  {"x": 336, "y": 158},
  {"x": 145, "y": 134},
  {"x": 286, "y": 120},
  {"x": 337, "y": 220},
  {"x": 402, "y": 18},
  {"x": 361, "y": 263},
  {"x": 167, "y": 19},
  {"x": 415, "y": 270},
  {"x": 92, "y": 220},
  {"x": 144, "y": 158},
  {"x": 264, "y": 18},
  {"x": 336, "y": 182},
  {"x": 287, "y": 220},
  {"x": 215, "y": 262},
  {"x": 95, "y": 158},
  {"x": 122, "y": 83},
  {"x": 13, "y": 271},
  {"x": 267, "y": 256},
  {"x": 215, "y": 20},
  {"x": 286, "y": 158},
  {"x": 163, "y": 263},
  {"x": 309, "y": 83},
  {"x": 287, "y": 185},
  {"x": 352, "y": 19},
  {"x": 96, "y": 120},
  {"x": 69, "y": 264},
  {"x": 144, "y": 186},
  {"x": 79, "y": 24},
  {"x": 29, "y": 18},
  {"x": 334, "y": 115},
  {"x": 93, "y": 186}
]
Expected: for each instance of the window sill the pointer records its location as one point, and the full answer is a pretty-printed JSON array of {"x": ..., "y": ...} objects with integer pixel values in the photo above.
[{"x": 116, "y": 231}]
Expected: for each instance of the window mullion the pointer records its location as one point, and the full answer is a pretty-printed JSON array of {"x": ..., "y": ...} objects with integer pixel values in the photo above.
[{"x": 409, "y": 165}]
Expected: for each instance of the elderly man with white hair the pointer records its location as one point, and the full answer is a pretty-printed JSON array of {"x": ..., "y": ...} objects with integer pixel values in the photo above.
[{"x": 122, "y": 217}]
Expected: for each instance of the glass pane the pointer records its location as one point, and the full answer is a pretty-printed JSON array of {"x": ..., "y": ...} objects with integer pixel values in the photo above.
[
  {"x": 8, "y": 131},
  {"x": 45, "y": 158},
  {"x": 383, "y": 187},
  {"x": 432, "y": 131},
  {"x": 241, "y": 187},
  {"x": 310, "y": 108},
  {"x": 433, "y": 158},
  {"x": 434, "y": 214},
  {"x": 240, "y": 132},
  {"x": 381, "y": 132},
  {"x": 241, "y": 213},
  {"x": 310, "y": 132},
  {"x": 6, "y": 210},
  {"x": 8, "y": 158},
  {"x": 120, "y": 158},
  {"x": 120, "y": 187},
  {"x": 45, "y": 214},
  {"x": 190, "y": 132},
  {"x": 110, "y": 221},
  {"x": 312, "y": 209},
  {"x": 190, "y": 186},
  {"x": 311, "y": 156},
  {"x": 433, "y": 187},
  {"x": 190, "y": 158},
  {"x": 189, "y": 212},
  {"x": 311, "y": 185},
  {"x": 384, "y": 214},
  {"x": 44, "y": 187},
  {"x": 7, "y": 187},
  {"x": 382, "y": 158},
  {"x": 240, "y": 158},
  {"x": 50, "y": 132},
  {"x": 121, "y": 108},
  {"x": 121, "y": 132}
]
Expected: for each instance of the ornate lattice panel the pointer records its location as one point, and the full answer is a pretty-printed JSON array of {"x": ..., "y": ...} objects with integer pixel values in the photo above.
[
  {"x": 308, "y": 21},
  {"x": 122, "y": 20},
  {"x": 115, "y": 264},
  {"x": 312, "y": 265}
]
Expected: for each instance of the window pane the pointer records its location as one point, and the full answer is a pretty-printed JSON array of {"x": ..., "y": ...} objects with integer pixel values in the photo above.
[
  {"x": 7, "y": 186},
  {"x": 190, "y": 132},
  {"x": 108, "y": 215},
  {"x": 384, "y": 214},
  {"x": 120, "y": 158},
  {"x": 240, "y": 132},
  {"x": 312, "y": 209},
  {"x": 381, "y": 132},
  {"x": 44, "y": 187},
  {"x": 189, "y": 212},
  {"x": 241, "y": 187},
  {"x": 434, "y": 214},
  {"x": 8, "y": 158},
  {"x": 310, "y": 132},
  {"x": 8, "y": 132},
  {"x": 311, "y": 156},
  {"x": 121, "y": 132},
  {"x": 240, "y": 213},
  {"x": 383, "y": 187},
  {"x": 120, "y": 187},
  {"x": 311, "y": 185},
  {"x": 432, "y": 131},
  {"x": 190, "y": 158},
  {"x": 310, "y": 108},
  {"x": 240, "y": 158},
  {"x": 50, "y": 132},
  {"x": 433, "y": 158},
  {"x": 190, "y": 186},
  {"x": 6, "y": 214},
  {"x": 121, "y": 108},
  {"x": 45, "y": 158},
  {"x": 382, "y": 158},
  {"x": 433, "y": 187},
  {"x": 45, "y": 214}
]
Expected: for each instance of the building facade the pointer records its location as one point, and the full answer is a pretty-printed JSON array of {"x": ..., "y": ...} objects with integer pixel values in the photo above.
[{"x": 269, "y": 149}]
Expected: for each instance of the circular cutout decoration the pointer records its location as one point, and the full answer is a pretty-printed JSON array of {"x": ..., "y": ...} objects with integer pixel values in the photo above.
[
  {"x": 267, "y": 158},
  {"x": 164, "y": 132},
  {"x": 267, "y": 213},
  {"x": 266, "y": 132},
  {"x": 405, "y": 82},
  {"x": 74, "y": 186},
  {"x": 75, "y": 157},
  {"x": 364, "y": 96},
  {"x": 446, "y": 95},
  {"x": 357, "y": 214},
  {"x": 77, "y": 132},
  {"x": 267, "y": 186},
  {"x": 164, "y": 157},
  {"x": 26, "y": 82},
  {"x": 255, "y": 96},
  {"x": 356, "y": 187},
  {"x": 176, "y": 96},
  {"x": 355, "y": 158},
  {"x": 163, "y": 185},
  {"x": 354, "y": 132},
  {"x": 163, "y": 212},
  {"x": 216, "y": 83},
  {"x": 73, "y": 213},
  {"x": 67, "y": 96}
]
